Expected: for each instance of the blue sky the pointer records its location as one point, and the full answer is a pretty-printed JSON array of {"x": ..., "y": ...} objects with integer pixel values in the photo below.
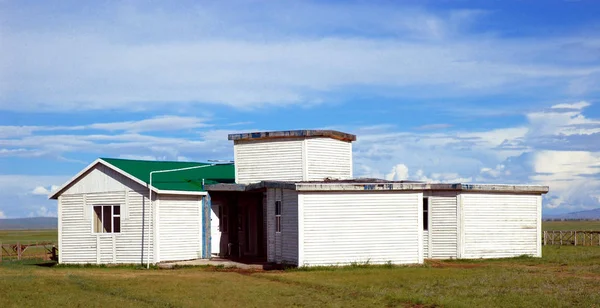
[{"x": 445, "y": 91}]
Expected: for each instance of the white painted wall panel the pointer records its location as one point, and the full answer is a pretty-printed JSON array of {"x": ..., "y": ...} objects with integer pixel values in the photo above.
[
  {"x": 426, "y": 244},
  {"x": 102, "y": 179},
  {"x": 269, "y": 213},
  {"x": 499, "y": 225},
  {"x": 263, "y": 160},
  {"x": 289, "y": 227},
  {"x": 129, "y": 241},
  {"x": 340, "y": 228},
  {"x": 215, "y": 231},
  {"x": 179, "y": 227},
  {"x": 282, "y": 247},
  {"x": 80, "y": 245},
  {"x": 443, "y": 216},
  {"x": 328, "y": 158}
]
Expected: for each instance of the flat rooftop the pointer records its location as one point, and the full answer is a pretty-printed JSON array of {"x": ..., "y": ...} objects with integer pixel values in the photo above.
[
  {"x": 380, "y": 185},
  {"x": 303, "y": 133}
]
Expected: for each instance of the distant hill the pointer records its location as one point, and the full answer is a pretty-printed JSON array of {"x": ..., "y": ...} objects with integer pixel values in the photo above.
[
  {"x": 34, "y": 223},
  {"x": 589, "y": 214}
]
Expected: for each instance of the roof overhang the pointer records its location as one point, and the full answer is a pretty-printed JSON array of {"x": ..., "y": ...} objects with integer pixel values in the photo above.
[
  {"x": 499, "y": 188},
  {"x": 378, "y": 186},
  {"x": 58, "y": 192},
  {"x": 293, "y": 134}
]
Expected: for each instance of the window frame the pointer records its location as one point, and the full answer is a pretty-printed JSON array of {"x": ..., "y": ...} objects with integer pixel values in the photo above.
[
  {"x": 102, "y": 218},
  {"x": 426, "y": 209},
  {"x": 278, "y": 212}
]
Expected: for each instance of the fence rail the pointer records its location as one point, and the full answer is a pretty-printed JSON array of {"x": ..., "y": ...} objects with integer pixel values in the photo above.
[
  {"x": 28, "y": 250},
  {"x": 572, "y": 238}
]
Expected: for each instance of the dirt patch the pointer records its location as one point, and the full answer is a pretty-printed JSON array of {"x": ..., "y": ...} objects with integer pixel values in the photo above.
[{"x": 442, "y": 264}]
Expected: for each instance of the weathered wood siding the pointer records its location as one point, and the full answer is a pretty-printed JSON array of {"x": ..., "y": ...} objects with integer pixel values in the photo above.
[
  {"x": 179, "y": 227},
  {"x": 500, "y": 225},
  {"x": 426, "y": 244},
  {"x": 264, "y": 160},
  {"x": 101, "y": 179},
  {"x": 292, "y": 160},
  {"x": 328, "y": 158},
  {"x": 443, "y": 225},
  {"x": 376, "y": 227},
  {"x": 103, "y": 186},
  {"x": 78, "y": 243},
  {"x": 282, "y": 247}
]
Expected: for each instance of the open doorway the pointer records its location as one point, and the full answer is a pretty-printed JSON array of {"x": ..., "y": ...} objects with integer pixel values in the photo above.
[{"x": 237, "y": 226}]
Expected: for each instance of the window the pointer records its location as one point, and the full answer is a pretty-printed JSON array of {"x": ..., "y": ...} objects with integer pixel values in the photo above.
[
  {"x": 107, "y": 219},
  {"x": 425, "y": 214},
  {"x": 277, "y": 216}
]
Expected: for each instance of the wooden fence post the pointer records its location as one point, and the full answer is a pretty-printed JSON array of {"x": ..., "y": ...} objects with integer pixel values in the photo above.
[
  {"x": 576, "y": 239},
  {"x": 1, "y": 250},
  {"x": 19, "y": 251}
]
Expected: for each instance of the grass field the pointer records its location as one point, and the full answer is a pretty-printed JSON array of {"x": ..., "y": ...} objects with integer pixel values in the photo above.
[
  {"x": 28, "y": 236},
  {"x": 566, "y": 276},
  {"x": 593, "y": 225}
]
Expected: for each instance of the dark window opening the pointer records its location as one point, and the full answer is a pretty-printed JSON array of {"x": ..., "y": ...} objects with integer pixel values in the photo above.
[
  {"x": 107, "y": 219},
  {"x": 425, "y": 214},
  {"x": 278, "y": 216}
]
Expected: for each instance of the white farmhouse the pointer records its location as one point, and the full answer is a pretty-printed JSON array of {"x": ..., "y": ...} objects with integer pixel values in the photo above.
[{"x": 290, "y": 198}]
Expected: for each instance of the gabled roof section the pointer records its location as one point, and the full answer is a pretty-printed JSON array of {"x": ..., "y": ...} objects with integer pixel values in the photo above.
[
  {"x": 304, "y": 133},
  {"x": 177, "y": 181}
]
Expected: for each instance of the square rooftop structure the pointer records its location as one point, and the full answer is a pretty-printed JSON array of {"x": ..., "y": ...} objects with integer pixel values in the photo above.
[{"x": 292, "y": 155}]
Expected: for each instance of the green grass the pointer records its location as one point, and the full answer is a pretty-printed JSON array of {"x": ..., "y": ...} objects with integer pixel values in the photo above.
[
  {"x": 25, "y": 237},
  {"x": 28, "y": 236},
  {"x": 565, "y": 277},
  {"x": 593, "y": 225}
]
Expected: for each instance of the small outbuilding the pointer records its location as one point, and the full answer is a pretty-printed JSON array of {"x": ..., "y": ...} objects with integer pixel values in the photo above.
[{"x": 289, "y": 198}]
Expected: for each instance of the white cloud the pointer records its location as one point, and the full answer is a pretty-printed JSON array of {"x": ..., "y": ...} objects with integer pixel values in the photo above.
[
  {"x": 276, "y": 55},
  {"x": 573, "y": 177},
  {"x": 577, "y": 106},
  {"x": 40, "y": 190},
  {"x": 2, "y": 216},
  {"x": 499, "y": 170},
  {"x": 398, "y": 173},
  {"x": 44, "y": 212},
  {"x": 563, "y": 119},
  {"x": 160, "y": 123}
]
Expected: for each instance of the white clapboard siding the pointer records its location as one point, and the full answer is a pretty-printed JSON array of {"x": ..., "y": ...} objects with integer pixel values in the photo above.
[
  {"x": 101, "y": 179},
  {"x": 264, "y": 160},
  {"x": 499, "y": 225},
  {"x": 180, "y": 228},
  {"x": 443, "y": 224},
  {"x": 270, "y": 219},
  {"x": 133, "y": 233},
  {"x": 282, "y": 247},
  {"x": 328, "y": 158},
  {"x": 289, "y": 227},
  {"x": 78, "y": 244},
  {"x": 426, "y": 244},
  {"x": 106, "y": 250},
  {"x": 378, "y": 227}
]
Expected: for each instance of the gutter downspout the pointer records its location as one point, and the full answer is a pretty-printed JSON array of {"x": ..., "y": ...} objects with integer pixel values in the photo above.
[{"x": 150, "y": 199}]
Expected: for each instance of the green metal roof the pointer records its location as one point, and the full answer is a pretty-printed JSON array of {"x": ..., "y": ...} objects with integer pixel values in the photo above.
[{"x": 186, "y": 180}]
